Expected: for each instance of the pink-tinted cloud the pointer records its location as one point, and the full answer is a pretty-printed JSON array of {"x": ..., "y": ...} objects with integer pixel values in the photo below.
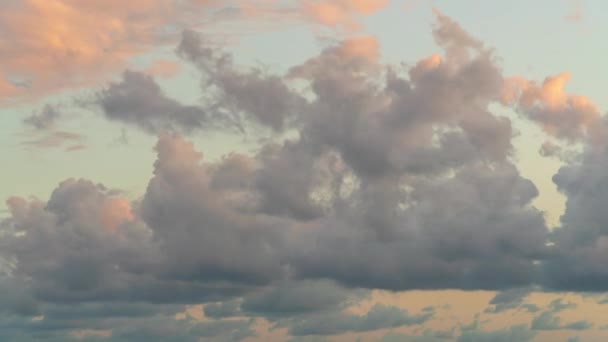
[
  {"x": 114, "y": 212},
  {"x": 163, "y": 68},
  {"x": 577, "y": 11},
  {"x": 55, "y": 44},
  {"x": 341, "y": 13},
  {"x": 560, "y": 114},
  {"x": 366, "y": 47},
  {"x": 55, "y": 139},
  {"x": 49, "y": 46}
]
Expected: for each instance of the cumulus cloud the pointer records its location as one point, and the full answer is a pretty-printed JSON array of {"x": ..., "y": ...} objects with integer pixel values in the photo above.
[
  {"x": 579, "y": 242},
  {"x": 566, "y": 116},
  {"x": 388, "y": 179},
  {"x": 395, "y": 180}
]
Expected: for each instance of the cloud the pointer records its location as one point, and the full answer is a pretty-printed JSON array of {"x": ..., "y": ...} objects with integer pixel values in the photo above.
[
  {"x": 203, "y": 226},
  {"x": 558, "y": 305},
  {"x": 43, "y": 119},
  {"x": 138, "y": 100},
  {"x": 341, "y": 13},
  {"x": 548, "y": 321},
  {"x": 576, "y": 12},
  {"x": 565, "y": 116},
  {"x": 297, "y": 298},
  {"x": 379, "y": 317},
  {"x": 575, "y": 262},
  {"x": 66, "y": 52},
  {"x": 64, "y": 49},
  {"x": 389, "y": 179},
  {"x": 508, "y": 300},
  {"x": 222, "y": 309},
  {"x": 309, "y": 339},
  {"x": 163, "y": 68},
  {"x": 55, "y": 139},
  {"x": 263, "y": 98},
  {"x": 515, "y": 333},
  {"x": 16, "y": 299},
  {"x": 394, "y": 181},
  {"x": 427, "y": 336}
]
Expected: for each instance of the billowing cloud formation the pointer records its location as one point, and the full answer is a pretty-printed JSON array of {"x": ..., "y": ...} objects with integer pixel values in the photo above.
[
  {"x": 386, "y": 166},
  {"x": 580, "y": 243},
  {"x": 385, "y": 179},
  {"x": 559, "y": 114}
]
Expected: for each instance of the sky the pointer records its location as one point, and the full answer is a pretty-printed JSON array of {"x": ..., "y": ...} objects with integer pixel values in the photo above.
[{"x": 303, "y": 170}]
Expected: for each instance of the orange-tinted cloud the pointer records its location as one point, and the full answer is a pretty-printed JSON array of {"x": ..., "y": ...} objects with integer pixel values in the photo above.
[
  {"x": 60, "y": 44},
  {"x": 559, "y": 113},
  {"x": 341, "y": 13},
  {"x": 365, "y": 47},
  {"x": 163, "y": 68},
  {"x": 577, "y": 11},
  {"x": 56, "y": 44},
  {"x": 425, "y": 65},
  {"x": 115, "y": 211},
  {"x": 48, "y": 46}
]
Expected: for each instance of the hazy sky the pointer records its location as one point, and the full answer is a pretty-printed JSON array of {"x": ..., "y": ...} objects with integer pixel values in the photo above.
[{"x": 303, "y": 170}]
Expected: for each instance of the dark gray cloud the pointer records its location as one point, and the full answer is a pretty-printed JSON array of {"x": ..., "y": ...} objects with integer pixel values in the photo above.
[
  {"x": 221, "y": 310},
  {"x": 508, "y": 300},
  {"x": 516, "y": 333},
  {"x": 299, "y": 298},
  {"x": 578, "y": 251},
  {"x": 245, "y": 95},
  {"x": 308, "y": 339},
  {"x": 16, "y": 298},
  {"x": 43, "y": 119},
  {"x": 548, "y": 321},
  {"x": 558, "y": 305},
  {"x": 428, "y": 336},
  {"x": 379, "y": 317},
  {"x": 138, "y": 100}
]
